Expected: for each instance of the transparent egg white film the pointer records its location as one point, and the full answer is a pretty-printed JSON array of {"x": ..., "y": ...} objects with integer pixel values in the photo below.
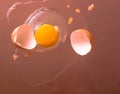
[{"x": 41, "y": 65}]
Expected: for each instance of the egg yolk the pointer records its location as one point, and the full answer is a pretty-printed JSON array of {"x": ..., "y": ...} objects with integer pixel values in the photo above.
[{"x": 46, "y": 35}]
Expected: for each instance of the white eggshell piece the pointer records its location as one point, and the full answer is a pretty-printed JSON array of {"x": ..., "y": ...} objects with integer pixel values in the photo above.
[
  {"x": 23, "y": 36},
  {"x": 80, "y": 42}
]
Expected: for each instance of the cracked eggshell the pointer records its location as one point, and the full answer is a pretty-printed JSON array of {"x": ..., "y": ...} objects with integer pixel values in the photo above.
[
  {"x": 23, "y": 36},
  {"x": 81, "y": 41}
]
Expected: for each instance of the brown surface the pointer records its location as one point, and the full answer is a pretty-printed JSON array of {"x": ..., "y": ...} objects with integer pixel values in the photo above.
[{"x": 96, "y": 73}]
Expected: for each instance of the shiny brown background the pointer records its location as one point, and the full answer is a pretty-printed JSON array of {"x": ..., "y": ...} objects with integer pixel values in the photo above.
[{"x": 97, "y": 73}]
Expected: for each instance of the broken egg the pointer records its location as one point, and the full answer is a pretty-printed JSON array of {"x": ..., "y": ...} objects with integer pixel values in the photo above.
[
  {"x": 81, "y": 41},
  {"x": 50, "y": 28},
  {"x": 23, "y": 36},
  {"x": 41, "y": 31}
]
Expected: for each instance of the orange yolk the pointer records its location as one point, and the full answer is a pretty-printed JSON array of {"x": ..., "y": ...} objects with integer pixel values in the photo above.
[{"x": 46, "y": 35}]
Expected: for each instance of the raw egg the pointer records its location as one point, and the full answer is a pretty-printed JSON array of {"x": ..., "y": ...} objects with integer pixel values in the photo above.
[{"x": 50, "y": 28}]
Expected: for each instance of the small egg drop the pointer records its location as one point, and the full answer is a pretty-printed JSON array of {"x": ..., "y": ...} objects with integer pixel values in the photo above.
[
  {"x": 23, "y": 36},
  {"x": 81, "y": 41}
]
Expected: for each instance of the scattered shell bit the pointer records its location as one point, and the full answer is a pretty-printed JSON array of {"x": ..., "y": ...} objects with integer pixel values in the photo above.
[
  {"x": 15, "y": 57},
  {"x": 68, "y": 6},
  {"x": 91, "y": 7},
  {"x": 77, "y": 10},
  {"x": 27, "y": 54},
  {"x": 70, "y": 20},
  {"x": 81, "y": 41}
]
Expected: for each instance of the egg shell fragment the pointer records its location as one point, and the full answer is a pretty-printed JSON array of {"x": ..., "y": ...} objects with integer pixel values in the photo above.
[
  {"x": 81, "y": 41},
  {"x": 23, "y": 36}
]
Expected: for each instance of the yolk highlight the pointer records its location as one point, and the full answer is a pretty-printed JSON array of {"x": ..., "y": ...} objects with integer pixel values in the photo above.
[{"x": 46, "y": 35}]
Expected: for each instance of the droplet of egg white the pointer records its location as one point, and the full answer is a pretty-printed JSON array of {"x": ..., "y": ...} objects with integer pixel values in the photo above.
[
  {"x": 23, "y": 36},
  {"x": 81, "y": 41}
]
